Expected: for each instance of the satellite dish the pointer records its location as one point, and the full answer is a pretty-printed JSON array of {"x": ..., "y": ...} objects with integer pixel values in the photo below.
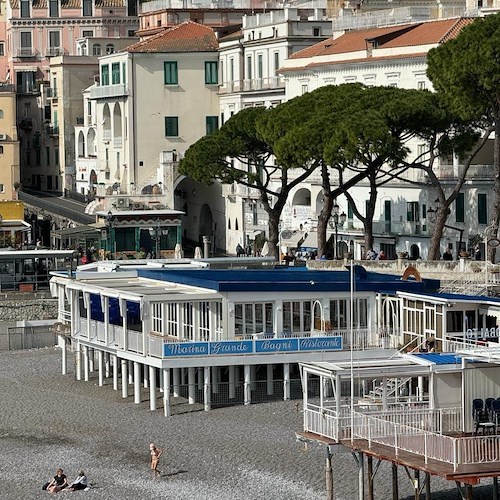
[{"x": 286, "y": 234}]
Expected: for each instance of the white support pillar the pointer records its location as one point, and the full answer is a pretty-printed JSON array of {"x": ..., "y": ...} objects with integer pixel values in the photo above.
[
  {"x": 91, "y": 359},
  {"x": 247, "y": 391},
  {"x": 253, "y": 377},
  {"x": 286, "y": 381},
  {"x": 64, "y": 355},
  {"x": 107, "y": 364},
  {"x": 145, "y": 377},
  {"x": 200, "y": 379},
  {"x": 78, "y": 361},
  {"x": 215, "y": 379},
  {"x": 191, "y": 385},
  {"x": 232, "y": 384},
  {"x": 166, "y": 392},
  {"x": 114, "y": 360},
  {"x": 137, "y": 383},
  {"x": 100, "y": 367},
  {"x": 420, "y": 388},
  {"x": 152, "y": 388},
  {"x": 85, "y": 363},
  {"x": 176, "y": 382},
  {"x": 124, "y": 378},
  {"x": 384, "y": 393},
  {"x": 206, "y": 388},
  {"x": 270, "y": 380},
  {"x": 130, "y": 372}
]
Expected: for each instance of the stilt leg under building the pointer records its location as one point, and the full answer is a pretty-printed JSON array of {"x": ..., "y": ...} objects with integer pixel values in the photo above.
[
  {"x": 191, "y": 385},
  {"x": 427, "y": 486},
  {"x": 177, "y": 375},
  {"x": 130, "y": 372},
  {"x": 329, "y": 474},
  {"x": 360, "y": 461},
  {"x": 86, "y": 363},
  {"x": 152, "y": 388},
  {"x": 395, "y": 492},
  {"x": 286, "y": 381},
  {"x": 114, "y": 360},
  {"x": 137, "y": 383},
  {"x": 270, "y": 381},
  {"x": 64, "y": 355},
  {"x": 247, "y": 398},
  {"x": 100, "y": 368},
  {"x": 370, "y": 476},
  {"x": 166, "y": 392},
  {"x": 206, "y": 388},
  {"x": 124, "y": 378},
  {"x": 78, "y": 362},
  {"x": 232, "y": 384},
  {"x": 494, "y": 496}
]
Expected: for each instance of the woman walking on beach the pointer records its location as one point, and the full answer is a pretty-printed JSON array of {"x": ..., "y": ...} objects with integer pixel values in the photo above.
[{"x": 155, "y": 458}]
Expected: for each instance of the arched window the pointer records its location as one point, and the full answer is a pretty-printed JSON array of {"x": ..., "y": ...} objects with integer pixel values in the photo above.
[
  {"x": 1, "y": 113},
  {"x": 96, "y": 49},
  {"x": 110, "y": 48},
  {"x": 236, "y": 225},
  {"x": 229, "y": 224},
  {"x": 1, "y": 150}
]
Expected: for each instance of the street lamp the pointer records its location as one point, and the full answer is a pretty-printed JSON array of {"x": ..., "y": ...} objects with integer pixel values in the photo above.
[
  {"x": 156, "y": 233},
  {"x": 335, "y": 222}
]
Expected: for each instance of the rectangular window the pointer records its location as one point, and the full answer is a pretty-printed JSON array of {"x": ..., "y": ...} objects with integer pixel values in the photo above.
[
  {"x": 38, "y": 157},
  {"x": 2, "y": 49},
  {"x": 2, "y": 188},
  {"x": 460, "y": 208},
  {"x": 115, "y": 73},
  {"x": 211, "y": 72},
  {"x": 56, "y": 156},
  {"x": 53, "y": 8},
  {"x": 25, "y": 8},
  {"x": 249, "y": 67},
  {"x": 231, "y": 70},
  {"x": 124, "y": 73},
  {"x": 412, "y": 213},
  {"x": 87, "y": 33},
  {"x": 171, "y": 126},
  {"x": 482, "y": 209},
  {"x": 105, "y": 74},
  {"x": 47, "y": 156},
  {"x": 54, "y": 42},
  {"x": 260, "y": 66},
  {"x": 25, "y": 40},
  {"x": 212, "y": 124},
  {"x": 276, "y": 61},
  {"x": 170, "y": 75},
  {"x": 304, "y": 89},
  {"x": 87, "y": 8}
]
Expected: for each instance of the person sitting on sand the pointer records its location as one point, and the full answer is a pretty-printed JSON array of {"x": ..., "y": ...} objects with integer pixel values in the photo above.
[
  {"x": 80, "y": 483},
  {"x": 58, "y": 483}
]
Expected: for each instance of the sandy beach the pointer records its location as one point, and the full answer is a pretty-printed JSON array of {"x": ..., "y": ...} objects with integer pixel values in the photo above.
[{"x": 49, "y": 420}]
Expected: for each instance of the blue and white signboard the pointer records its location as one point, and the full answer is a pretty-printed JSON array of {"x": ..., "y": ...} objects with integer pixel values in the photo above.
[{"x": 265, "y": 346}]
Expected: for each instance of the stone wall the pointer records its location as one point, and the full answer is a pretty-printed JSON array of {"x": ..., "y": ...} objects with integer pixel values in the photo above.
[{"x": 22, "y": 308}]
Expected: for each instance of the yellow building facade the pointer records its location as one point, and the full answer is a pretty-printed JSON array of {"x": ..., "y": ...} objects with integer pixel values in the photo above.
[{"x": 9, "y": 144}]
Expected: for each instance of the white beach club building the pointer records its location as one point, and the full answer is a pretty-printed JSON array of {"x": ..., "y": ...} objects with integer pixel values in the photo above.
[{"x": 213, "y": 335}]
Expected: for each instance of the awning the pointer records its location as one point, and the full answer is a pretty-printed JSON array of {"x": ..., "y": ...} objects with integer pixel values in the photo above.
[
  {"x": 254, "y": 234},
  {"x": 311, "y": 241},
  {"x": 490, "y": 311},
  {"x": 25, "y": 69},
  {"x": 295, "y": 238}
]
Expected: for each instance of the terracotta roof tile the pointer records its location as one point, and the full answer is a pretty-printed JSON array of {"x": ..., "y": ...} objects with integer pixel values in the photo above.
[
  {"x": 426, "y": 33},
  {"x": 186, "y": 37}
]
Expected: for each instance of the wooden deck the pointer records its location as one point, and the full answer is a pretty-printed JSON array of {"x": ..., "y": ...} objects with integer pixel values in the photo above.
[{"x": 468, "y": 474}]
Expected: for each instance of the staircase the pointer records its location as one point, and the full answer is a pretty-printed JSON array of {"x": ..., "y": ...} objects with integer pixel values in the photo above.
[
  {"x": 471, "y": 283},
  {"x": 392, "y": 386}
]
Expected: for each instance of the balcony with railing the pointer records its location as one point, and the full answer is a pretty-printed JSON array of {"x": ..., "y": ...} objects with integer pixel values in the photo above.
[
  {"x": 54, "y": 51},
  {"x": 240, "y": 190},
  {"x": 255, "y": 84},
  {"x": 109, "y": 91},
  {"x": 485, "y": 172},
  {"x": 25, "y": 52}
]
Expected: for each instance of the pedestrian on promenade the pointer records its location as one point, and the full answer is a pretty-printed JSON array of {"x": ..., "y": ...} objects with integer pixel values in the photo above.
[{"x": 155, "y": 458}]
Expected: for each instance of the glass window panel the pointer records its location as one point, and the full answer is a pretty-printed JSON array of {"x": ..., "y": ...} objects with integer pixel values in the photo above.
[
  {"x": 238, "y": 319},
  {"x": 259, "y": 318},
  {"x": 269, "y": 317},
  {"x": 249, "y": 328},
  {"x": 287, "y": 317}
]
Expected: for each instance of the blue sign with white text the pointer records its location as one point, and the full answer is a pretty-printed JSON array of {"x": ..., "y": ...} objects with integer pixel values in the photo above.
[
  {"x": 321, "y": 344},
  {"x": 242, "y": 347},
  {"x": 277, "y": 345},
  {"x": 186, "y": 349}
]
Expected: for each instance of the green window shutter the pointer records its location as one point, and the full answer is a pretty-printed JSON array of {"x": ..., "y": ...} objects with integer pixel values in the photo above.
[
  {"x": 211, "y": 72},
  {"x": 212, "y": 124},
  {"x": 482, "y": 209},
  {"x": 105, "y": 75},
  {"x": 170, "y": 73},
  {"x": 124, "y": 73},
  {"x": 460, "y": 208},
  {"x": 171, "y": 126},
  {"x": 115, "y": 73}
]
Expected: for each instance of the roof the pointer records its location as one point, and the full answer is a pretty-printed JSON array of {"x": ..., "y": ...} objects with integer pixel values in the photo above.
[
  {"x": 457, "y": 297},
  {"x": 287, "y": 280},
  {"x": 411, "y": 35},
  {"x": 186, "y": 37},
  {"x": 440, "y": 358}
]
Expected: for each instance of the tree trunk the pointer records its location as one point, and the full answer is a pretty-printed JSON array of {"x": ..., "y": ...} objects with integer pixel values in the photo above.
[
  {"x": 437, "y": 233},
  {"x": 323, "y": 219},
  {"x": 274, "y": 221},
  {"x": 496, "y": 163}
]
